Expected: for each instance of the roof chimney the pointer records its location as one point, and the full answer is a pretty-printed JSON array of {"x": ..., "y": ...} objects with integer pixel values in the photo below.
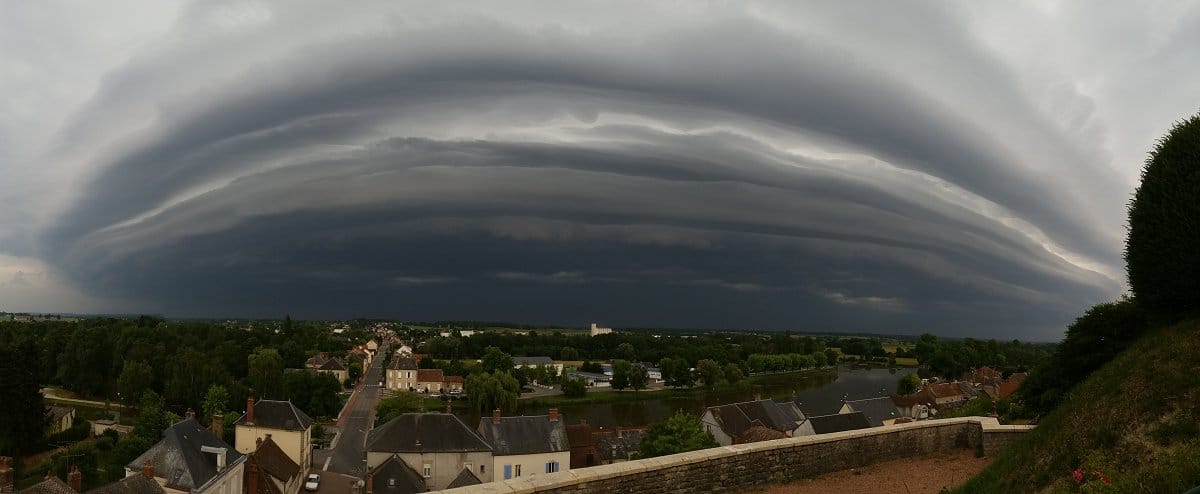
[
  {"x": 75, "y": 479},
  {"x": 496, "y": 416},
  {"x": 218, "y": 424},
  {"x": 554, "y": 415},
  {"x": 6, "y": 474},
  {"x": 250, "y": 410},
  {"x": 252, "y": 477},
  {"x": 257, "y": 443},
  {"x": 148, "y": 469},
  {"x": 370, "y": 482}
]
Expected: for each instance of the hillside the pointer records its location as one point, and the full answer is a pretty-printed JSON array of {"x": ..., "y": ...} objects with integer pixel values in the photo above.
[{"x": 1134, "y": 420}]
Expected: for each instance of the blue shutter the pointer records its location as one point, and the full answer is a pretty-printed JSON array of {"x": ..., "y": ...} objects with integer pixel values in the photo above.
[{"x": 507, "y": 472}]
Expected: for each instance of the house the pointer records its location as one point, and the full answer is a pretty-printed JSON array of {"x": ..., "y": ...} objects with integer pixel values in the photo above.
[
  {"x": 917, "y": 406},
  {"x": 619, "y": 444},
  {"x": 526, "y": 445},
  {"x": 592, "y": 379},
  {"x": 985, "y": 375},
  {"x": 360, "y": 354},
  {"x": 453, "y": 384},
  {"x": 583, "y": 446},
  {"x": 945, "y": 395},
  {"x": 190, "y": 459},
  {"x": 51, "y": 485},
  {"x": 134, "y": 484},
  {"x": 757, "y": 433},
  {"x": 519, "y": 362},
  {"x": 394, "y": 476},
  {"x": 59, "y": 419},
  {"x": 597, "y": 330},
  {"x": 404, "y": 350},
  {"x": 372, "y": 346},
  {"x": 316, "y": 361},
  {"x": 402, "y": 374},
  {"x": 1005, "y": 388},
  {"x": 438, "y": 446},
  {"x": 879, "y": 411},
  {"x": 289, "y": 428},
  {"x": 727, "y": 422},
  {"x": 270, "y": 470},
  {"x": 336, "y": 367},
  {"x": 838, "y": 422},
  {"x": 430, "y": 380}
]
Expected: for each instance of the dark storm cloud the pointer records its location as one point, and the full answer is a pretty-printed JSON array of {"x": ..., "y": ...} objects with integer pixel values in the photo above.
[{"x": 728, "y": 172}]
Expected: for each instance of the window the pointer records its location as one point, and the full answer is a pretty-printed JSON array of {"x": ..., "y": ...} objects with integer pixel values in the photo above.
[
  {"x": 428, "y": 470},
  {"x": 482, "y": 469},
  {"x": 552, "y": 467},
  {"x": 391, "y": 482},
  {"x": 517, "y": 471}
]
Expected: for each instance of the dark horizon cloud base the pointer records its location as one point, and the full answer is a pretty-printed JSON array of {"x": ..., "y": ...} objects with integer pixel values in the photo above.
[{"x": 746, "y": 169}]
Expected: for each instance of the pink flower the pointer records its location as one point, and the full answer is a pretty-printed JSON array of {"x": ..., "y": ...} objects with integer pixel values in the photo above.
[{"x": 1078, "y": 474}]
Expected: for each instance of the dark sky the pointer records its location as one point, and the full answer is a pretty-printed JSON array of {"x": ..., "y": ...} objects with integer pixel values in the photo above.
[{"x": 883, "y": 167}]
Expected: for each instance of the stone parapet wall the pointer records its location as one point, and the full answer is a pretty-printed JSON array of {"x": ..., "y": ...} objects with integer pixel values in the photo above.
[{"x": 738, "y": 467}]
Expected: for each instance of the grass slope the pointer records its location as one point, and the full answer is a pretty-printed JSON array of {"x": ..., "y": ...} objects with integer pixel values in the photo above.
[{"x": 1135, "y": 420}]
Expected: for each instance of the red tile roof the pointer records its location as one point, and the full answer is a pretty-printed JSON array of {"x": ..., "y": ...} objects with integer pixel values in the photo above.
[{"x": 430, "y": 375}]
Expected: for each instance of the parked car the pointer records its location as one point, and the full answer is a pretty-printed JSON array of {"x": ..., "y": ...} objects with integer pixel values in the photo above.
[{"x": 311, "y": 483}]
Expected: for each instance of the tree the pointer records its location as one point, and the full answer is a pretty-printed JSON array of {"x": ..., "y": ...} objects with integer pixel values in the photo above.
[
  {"x": 927, "y": 346},
  {"x": 675, "y": 372},
  {"x": 216, "y": 399},
  {"x": 733, "y": 373},
  {"x": 574, "y": 388},
  {"x": 568, "y": 353},
  {"x": 709, "y": 371},
  {"x": 356, "y": 371},
  {"x": 626, "y": 351},
  {"x": 152, "y": 418},
  {"x": 593, "y": 367},
  {"x": 831, "y": 356},
  {"x": 639, "y": 377},
  {"x": 490, "y": 391},
  {"x": 620, "y": 377},
  {"x": 265, "y": 372},
  {"x": 396, "y": 405},
  {"x": 23, "y": 413},
  {"x": 496, "y": 360},
  {"x": 679, "y": 433},
  {"x": 136, "y": 378},
  {"x": 1164, "y": 226},
  {"x": 908, "y": 384}
]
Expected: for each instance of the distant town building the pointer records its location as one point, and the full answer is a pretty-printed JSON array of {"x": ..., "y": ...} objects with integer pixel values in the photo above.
[
  {"x": 519, "y": 362},
  {"x": 597, "y": 330}
]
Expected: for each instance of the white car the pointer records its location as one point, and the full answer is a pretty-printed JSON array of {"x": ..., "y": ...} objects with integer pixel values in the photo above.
[{"x": 311, "y": 483}]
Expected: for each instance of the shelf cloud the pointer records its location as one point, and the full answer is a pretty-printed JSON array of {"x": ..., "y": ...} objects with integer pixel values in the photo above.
[{"x": 886, "y": 167}]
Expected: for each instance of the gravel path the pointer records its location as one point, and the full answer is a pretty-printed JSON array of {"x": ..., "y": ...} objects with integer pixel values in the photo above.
[{"x": 915, "y": 476}]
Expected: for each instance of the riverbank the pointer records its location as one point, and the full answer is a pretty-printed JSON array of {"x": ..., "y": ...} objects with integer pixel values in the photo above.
[{"x": 602, "y": 396}]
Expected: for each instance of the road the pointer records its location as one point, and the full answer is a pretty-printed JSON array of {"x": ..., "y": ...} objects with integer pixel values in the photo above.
[{"x": 349, "y": 454}]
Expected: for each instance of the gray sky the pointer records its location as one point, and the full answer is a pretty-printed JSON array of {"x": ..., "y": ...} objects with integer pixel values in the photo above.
[{"x": 890, "y": 167}]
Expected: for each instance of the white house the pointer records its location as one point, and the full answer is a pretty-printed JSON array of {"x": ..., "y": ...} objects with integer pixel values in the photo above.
[
  {"x": 526, "y": 445},
  {"x": 597, "y": 330}
]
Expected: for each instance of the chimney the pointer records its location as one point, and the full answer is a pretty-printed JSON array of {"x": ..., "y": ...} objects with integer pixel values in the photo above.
[
  {"x": 252, "y": 477},
  {"x": 75, "y": 479},
  {"x": 6, "y": 474},
  {"x": 370, "y": 482},
  {"x": 554, "y": 415},
  {"x": 148, "y": 469},
  {"x": 496, "y": 416},
  {"x": 218, "y": 424},
  {"x": 257, "y": 443},
  {"x": 250, "y": 410}
]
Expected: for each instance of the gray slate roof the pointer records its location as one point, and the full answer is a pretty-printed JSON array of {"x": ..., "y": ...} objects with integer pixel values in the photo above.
[
  {"x": 52, "y": 485},
  {"x": 275, "y": 414},
  {"x": 464, "y": 478},
  {"x": 736, "y": 418},
  {"x": 333, "y": 364},
  {"x": 533, "y": 361},
  {"x": 394, "y": 476},
  {"x": 404, "y": 363},
  {"x": 524, "y": 435},
  {"x": 876, "y": 409},
  {"x": 178, "y": 459},
  {"x": 133, "y": 484},
  {"x": 425, "y": 433},
  {"x": 839, "y": 422},
  {"x": 609, "y": 446}
]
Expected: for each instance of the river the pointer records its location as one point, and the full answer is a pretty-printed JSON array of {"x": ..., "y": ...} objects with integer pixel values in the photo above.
[{"x": 817, "y": 394}]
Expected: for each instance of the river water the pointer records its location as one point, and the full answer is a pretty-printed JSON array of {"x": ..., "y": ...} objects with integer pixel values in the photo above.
[{"x": 817, "y": 394}]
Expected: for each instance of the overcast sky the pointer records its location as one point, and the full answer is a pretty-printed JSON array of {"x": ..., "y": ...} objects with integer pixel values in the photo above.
[{"x": 960, "y": 168}]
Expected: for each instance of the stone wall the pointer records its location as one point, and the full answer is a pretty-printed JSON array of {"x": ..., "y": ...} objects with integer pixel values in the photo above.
[{"x": 738, "y": 467}]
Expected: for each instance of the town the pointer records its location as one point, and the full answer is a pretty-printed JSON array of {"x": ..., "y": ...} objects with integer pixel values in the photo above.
[{"x": 367, "y": 406}]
